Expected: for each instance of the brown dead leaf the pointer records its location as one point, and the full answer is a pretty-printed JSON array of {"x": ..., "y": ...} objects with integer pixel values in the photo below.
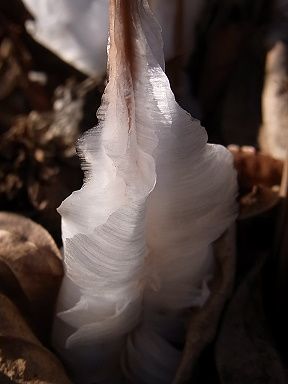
[{"x": 204, "y": 321}]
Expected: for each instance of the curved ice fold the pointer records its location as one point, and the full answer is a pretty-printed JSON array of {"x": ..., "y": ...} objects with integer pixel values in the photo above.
[{"x": 138, "y": 235}]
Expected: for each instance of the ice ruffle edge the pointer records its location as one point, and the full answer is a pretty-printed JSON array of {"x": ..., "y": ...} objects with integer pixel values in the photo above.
[{"x": 136, "y": 246}]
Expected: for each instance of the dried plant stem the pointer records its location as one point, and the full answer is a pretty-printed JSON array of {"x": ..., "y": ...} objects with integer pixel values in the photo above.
[{"x": 281, "y": 239}]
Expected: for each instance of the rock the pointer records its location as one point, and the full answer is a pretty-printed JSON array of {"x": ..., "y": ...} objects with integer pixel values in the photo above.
[
  {"x": 22, "y": 357},
  {"x": 30, "y": 269},
  {"x": 30, "y": 275}
]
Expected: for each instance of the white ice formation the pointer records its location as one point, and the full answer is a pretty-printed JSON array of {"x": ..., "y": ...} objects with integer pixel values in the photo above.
[{"x": 138, "y": 235}]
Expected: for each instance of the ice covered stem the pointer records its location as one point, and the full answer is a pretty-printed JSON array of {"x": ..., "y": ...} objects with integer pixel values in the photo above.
[
  {"x": 137, "y": 236},
  {"x": 104, "y": 223}
]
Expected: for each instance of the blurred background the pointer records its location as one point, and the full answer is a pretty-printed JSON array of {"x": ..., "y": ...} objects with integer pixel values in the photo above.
[{"x": 226, "y": 61}]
